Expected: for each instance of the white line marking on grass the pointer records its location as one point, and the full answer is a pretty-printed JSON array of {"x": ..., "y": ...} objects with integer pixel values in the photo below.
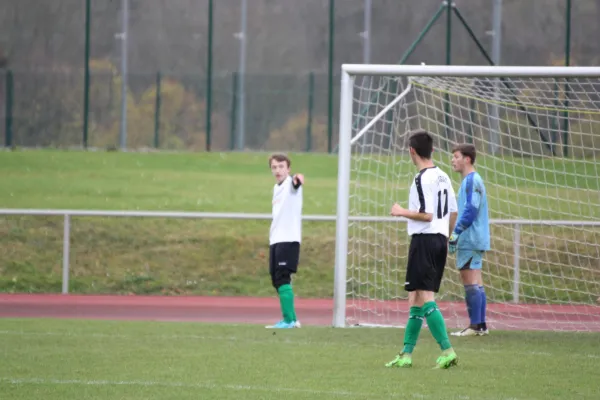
[
  {"x": 99, "y": 335},
  {"x": 539, "y": 353},
  {"x": 266, "y": 341},
  {"x": 200, "y": 385},
  {"x": 215, "y": 386}
]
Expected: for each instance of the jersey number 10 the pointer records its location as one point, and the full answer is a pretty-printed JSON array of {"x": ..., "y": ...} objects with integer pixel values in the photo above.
[{"x": 441, "y": 214}]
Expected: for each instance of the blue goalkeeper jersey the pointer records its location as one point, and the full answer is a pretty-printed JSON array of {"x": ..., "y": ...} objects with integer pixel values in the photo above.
[{"x": 473, "y": 223}]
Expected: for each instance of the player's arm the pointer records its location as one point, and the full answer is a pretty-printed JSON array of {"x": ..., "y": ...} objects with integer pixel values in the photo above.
[
  {"x": 453, "y": 208},
  {"x": 398, "y": 211},
  {"x": 471, "y": 207},
  {"x": 452, "y": 224},
  {"x": 297, "y": 181},
  {"x": 425, "y": 212}
]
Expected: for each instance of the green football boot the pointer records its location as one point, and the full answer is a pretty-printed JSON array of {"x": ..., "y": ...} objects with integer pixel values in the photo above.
[
  {"x": 447, "y": 359},
  {"x": 402, "y": 360}
]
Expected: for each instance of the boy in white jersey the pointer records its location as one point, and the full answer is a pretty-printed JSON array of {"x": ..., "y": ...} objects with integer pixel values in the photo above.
[
  {"x": 432, "y": 209},
  {"x": 285, "y": 236}
]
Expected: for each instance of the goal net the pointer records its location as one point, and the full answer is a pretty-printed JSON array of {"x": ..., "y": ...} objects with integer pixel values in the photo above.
[{"x": 537, "y": 134}]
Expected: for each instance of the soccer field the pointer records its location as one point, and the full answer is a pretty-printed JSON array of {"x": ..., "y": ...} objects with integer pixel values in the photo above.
[
  {"x": 96, "y": 359},
  {"x": 214, "y": 257},
  {"x": 76, "y": 359}
]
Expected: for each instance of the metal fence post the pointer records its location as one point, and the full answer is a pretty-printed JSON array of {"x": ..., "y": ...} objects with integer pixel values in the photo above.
[
  {"x": 86, "y": 75},
  {"x": 241, "y": 95},
  {"x": 309, "y": 117},
  {"x": 124, "y": 73},
  {"x": 8, "y": 128},
  {"x": 448, "y": 62},
  {"x": 157, "y": 111},
  {"x": 330, "y": 76},
  {"x": 233, "y": 112},
  {"x": 565, "y": 121},
  {"x": 209, "y": 68},
  {"x": 516, "y": 259},
  {"x": 66, "y": 251}
]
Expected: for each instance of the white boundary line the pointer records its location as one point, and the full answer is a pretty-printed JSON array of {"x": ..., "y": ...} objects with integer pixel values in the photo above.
[
  {"x": 199, "y": 385},
  {"x": 263, "y": 341},
  {"x": 215, "y": 386}
]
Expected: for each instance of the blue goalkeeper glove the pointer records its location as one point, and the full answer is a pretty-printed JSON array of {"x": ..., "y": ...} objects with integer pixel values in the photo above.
[{"x": 453, "y": 242}]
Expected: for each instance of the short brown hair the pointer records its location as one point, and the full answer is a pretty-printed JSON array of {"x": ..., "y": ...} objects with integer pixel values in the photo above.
[
  {"x": 279, "y": 158},
  {"x": 422, "y": 142},
  {"x": 467, "y": 150}
]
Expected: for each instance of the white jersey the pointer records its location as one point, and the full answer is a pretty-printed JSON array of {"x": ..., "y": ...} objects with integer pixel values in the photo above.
[
  {"x": 287, "y": 213},
  {"x": 431, "y": 192}
]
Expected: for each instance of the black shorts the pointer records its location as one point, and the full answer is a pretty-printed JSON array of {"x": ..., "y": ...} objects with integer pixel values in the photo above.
[
  {"x": 426, "y": 262},
  {"x": 283, "y": 262}
]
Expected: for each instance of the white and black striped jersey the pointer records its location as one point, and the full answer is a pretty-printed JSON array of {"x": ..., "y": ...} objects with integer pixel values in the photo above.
[{"x": 431, "y": 192}]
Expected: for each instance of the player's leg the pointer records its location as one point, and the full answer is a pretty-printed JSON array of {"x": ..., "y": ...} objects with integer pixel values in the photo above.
[
  {"x": 280, "y": 257},
  {"x": 272, "y": 269},
  {"x": 470, "y": 273},
  {"x": 292, "y": 255},
  {"x": 272, "y": 261},
  {"x": 415, "y": 318},
  {"x": 438, "y": 252},
  {"x": 411, "y": 333},
  {"x": 483, "y": 330},
  {"x": 425, "y": 269},
  {"x": 463, "y": 259},
  {"x": 286, "y": 263}
]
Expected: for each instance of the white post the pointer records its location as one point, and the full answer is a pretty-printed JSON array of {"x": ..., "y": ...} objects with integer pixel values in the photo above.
[
  {"x": 516, "y": 258},
  {"x": 66, "y": 248},
  {"x": 343, "y": 192},
  {"x": 124, "y": 72}
]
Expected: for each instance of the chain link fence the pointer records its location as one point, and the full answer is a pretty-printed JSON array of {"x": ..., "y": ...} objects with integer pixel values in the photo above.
[{"x": 290, "y": 80}]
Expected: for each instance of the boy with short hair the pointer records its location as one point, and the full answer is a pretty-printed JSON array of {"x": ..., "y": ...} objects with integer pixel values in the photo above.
[
  {"x": 470, "y": 238},
  {"x": 431, "y": 212},
  {"x": 285, "y": 236}
]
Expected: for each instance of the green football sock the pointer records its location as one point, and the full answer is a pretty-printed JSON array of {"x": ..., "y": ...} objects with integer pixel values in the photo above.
[
  {"x": 293, "y": 306},
  {"x": 437, "y": 326},
  {"x": 286, "y": 299},
  {"x": 413, "y": 328}
]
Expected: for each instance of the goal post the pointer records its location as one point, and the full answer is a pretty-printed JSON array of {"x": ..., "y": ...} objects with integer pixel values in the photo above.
[{"x": 537, "y": 134}]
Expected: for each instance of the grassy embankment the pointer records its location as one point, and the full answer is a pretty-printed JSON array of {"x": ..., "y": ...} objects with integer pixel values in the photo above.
[{"x": 222, "y": 257}]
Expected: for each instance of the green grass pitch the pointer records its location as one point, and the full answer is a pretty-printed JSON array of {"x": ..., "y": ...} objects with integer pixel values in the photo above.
[{"x": 71, "y": 359}]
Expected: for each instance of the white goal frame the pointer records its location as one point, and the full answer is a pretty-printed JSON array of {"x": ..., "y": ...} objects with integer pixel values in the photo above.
[{"x": 348, "y": 74}]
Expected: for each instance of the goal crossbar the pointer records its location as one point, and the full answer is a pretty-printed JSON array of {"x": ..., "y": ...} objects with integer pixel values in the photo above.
[{"x": 469, "y": 71}]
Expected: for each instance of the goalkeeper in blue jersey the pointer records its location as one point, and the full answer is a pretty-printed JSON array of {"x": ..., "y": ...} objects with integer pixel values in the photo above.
[{"x": 470, "y": 238}]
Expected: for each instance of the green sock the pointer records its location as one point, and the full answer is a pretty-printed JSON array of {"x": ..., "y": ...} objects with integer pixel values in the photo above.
[
  {"x": 293, "y": 306},
  {"x": 286, "y": 299},
  {"x": 413, "y": 328},
  {"x": 437, "y": 326}
]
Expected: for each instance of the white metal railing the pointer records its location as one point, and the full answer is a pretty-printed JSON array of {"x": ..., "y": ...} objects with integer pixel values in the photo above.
[{"x": 67, "y": 214}]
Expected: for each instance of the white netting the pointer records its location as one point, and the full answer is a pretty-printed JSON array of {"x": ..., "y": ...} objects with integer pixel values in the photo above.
[{"x": 538, "y": 143}]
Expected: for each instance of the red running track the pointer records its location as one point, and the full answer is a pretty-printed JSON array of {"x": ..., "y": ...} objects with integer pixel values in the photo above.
[{"x": 266, "y": 310}]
